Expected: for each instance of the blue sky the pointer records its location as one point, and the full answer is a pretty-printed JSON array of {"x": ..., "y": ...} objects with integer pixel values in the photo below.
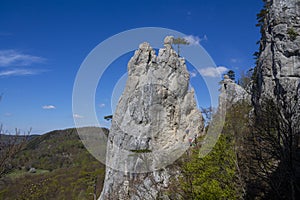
[{"x": 43, "y": 43}]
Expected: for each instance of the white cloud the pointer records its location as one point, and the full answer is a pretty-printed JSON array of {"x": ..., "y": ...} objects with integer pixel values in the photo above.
[
  {"x": 48, "y": 107},
  {"x": 18, "y": 72},
  {"x": 213, "y": 71},
  {"x": 15, "y": 58},
  {"x": 193, "y": 40},
  {"x": 101, "y": 105},
  {"x": 193, "y": 74},
  {"x": 77, "y": 116}
]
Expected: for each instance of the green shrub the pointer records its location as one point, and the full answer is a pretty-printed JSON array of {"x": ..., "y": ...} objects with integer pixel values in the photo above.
[{"x": 292, "y": 34}]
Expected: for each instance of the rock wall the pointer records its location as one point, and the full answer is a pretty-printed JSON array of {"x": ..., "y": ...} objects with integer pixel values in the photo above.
[
  {"x": 154, "y": 120},
  {"x": 276, "y": 92},
  {"x": 278, "y": 65}
]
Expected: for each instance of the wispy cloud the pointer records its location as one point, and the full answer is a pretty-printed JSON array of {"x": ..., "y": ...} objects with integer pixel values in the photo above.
[
  {"x": 16, "y": 58},
  {"x": 101, "y": 105},
  {"x": 213, "y": 71},
  {"x": 77, "y": 116},
  {"x": 18, "y": 72},
  {"x": 12, "y": 60},
  {"x": 193, "y": 40},
  {"x": 48, "y": 107},
  {"x": 193, "y": 74},
  {"x": 233, "y": 60}
]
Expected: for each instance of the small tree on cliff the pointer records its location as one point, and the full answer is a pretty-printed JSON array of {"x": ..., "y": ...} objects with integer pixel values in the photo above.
[{"x": 180, "y": 41}]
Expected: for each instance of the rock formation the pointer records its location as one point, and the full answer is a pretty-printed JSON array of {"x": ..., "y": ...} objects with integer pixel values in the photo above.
[
  {"x": 276, "y": 101},
  {"x": 231, "y": 93},
  {"x": 278, "y": 65},
  {"x": 154, "y": 120}
]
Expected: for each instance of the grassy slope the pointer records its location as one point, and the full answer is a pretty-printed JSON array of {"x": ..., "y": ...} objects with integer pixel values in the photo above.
[{"x": 65, "y": 169}]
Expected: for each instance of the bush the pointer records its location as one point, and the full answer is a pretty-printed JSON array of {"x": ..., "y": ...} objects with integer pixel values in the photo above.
[{"x": 292, "y": 34}]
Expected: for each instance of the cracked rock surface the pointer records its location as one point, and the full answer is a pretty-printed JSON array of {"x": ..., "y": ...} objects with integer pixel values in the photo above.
[
  {"x": 278, "y": 66},
  {"x": 154, "y": 119}
]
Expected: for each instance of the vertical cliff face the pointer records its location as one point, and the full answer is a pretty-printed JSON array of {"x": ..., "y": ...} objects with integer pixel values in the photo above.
[
  {"x": 278, "y": 65},
  {"x": 276, "y": 93},
  {"x": 154, "y": 120}
]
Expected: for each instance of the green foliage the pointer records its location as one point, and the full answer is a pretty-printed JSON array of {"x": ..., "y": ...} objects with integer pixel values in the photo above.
[
  {"x": 218, "y": 175},
  {"x": 211, "y": 177},
  {"x": 292, "y": 34},
  {"x": 262, "y": 15},
  {"x": 178, "y": 42},
  {"x": 262, "y": 19},
  {"x": 231, "y": 74},
  {"x": 59, "y": 184},
  {"x": 65, "y": 169},
  {"x": 23, "y": 172}
]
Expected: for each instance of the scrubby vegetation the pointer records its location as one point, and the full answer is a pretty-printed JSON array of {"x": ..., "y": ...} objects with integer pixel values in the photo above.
[
  {"x": 256, "y": 156},
  {"x": 211, "y": 177},
  {"x": 218, "y": 175},
  {"x": 64, "y": 169},
  {"x": 292, "y": 34}
]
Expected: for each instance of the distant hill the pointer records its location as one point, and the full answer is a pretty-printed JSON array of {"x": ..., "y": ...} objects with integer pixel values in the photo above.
[
  {"x": 4, "y": 138},
  {"x": 63, "y": 168}
]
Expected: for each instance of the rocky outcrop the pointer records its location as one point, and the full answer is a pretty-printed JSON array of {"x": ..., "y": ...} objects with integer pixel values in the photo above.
[
  {"x": 278, "y": 65},
  {"x": 154, "y": 120},
  {"x": 231, "y": 93},
  {"x": 276, "y": 92}
]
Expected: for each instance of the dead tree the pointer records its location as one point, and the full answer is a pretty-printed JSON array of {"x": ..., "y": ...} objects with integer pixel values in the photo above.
[{"x": 10, "y": 145}]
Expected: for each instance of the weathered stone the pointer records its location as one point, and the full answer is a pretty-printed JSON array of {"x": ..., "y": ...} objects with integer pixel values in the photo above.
[
  {"x": 231, "y": 93},
  {"x": 278, "y": 66},
  {"x": 149, "y": 127}
]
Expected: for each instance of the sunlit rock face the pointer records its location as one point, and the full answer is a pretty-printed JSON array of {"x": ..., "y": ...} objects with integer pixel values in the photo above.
[
  {"x": 154, "y": 120},
  {"x": 232, "y": 93},
  {"x": 278, "y": 67}
]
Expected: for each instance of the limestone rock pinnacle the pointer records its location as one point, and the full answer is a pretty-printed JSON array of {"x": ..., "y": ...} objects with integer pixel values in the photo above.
[{"x": 154, "y": 119}]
